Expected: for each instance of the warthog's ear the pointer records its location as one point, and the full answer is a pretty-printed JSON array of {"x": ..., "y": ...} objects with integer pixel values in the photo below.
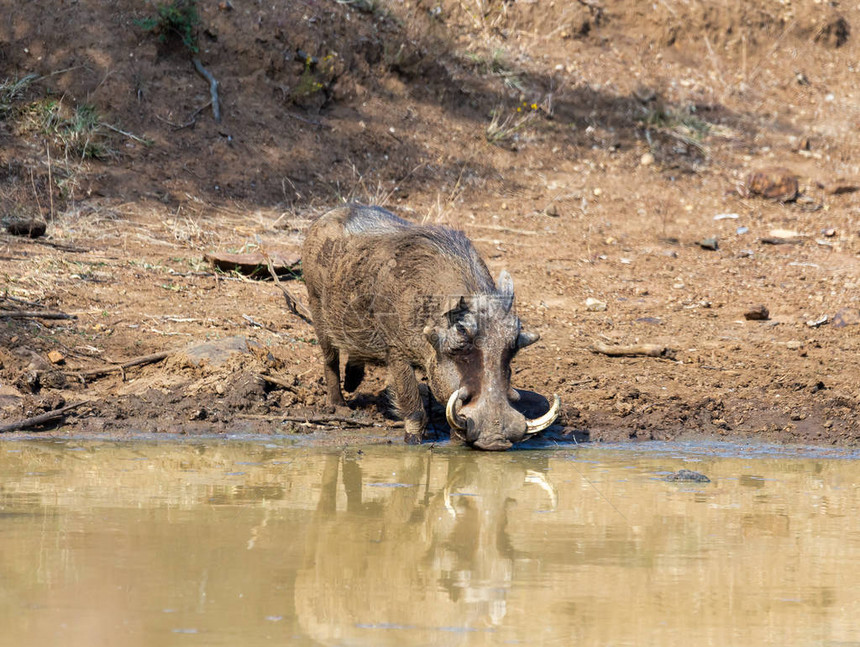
[
  {"x": 505, "y": 286},
  {"x": 455, "y": 309},
  {"x": 527, "y": 338}
]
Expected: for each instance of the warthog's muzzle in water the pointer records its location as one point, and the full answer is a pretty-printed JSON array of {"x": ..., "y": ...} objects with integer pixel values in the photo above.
[{"x": 466, "y": 426}]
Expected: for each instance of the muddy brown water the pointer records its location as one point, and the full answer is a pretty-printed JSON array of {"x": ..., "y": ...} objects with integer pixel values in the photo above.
[{"x": 264, "y": 541}]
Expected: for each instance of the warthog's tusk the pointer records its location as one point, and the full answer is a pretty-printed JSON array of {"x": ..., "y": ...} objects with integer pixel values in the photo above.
[
  {"x": 539, "y": 424},
  {"x": 455, "y": 420}
]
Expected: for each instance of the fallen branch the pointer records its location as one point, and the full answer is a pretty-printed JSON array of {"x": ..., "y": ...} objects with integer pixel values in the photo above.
[
  {"x": 636, "y": 350},
  {"x": 213, "y": 88},
  {"x": 106, "y": 370},
  {"x": 26, "y": 314},
  {"x": 41, "y": 419},
  {"x": 326, "y": 420}
]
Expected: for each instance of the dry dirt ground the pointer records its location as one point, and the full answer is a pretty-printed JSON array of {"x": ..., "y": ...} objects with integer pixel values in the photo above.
[{"x": 590, "y": 147}]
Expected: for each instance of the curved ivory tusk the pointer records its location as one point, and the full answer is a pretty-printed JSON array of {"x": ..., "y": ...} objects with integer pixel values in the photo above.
[
  {"x": 539, "y": 424},
  {"x": 455, "y": 420}
]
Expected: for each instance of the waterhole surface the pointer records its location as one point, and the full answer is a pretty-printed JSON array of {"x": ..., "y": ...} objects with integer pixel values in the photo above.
[{"x": 237, "y": 542}]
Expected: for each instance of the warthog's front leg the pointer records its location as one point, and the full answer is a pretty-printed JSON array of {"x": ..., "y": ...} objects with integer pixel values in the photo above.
[{"x": 407, "y": 399}]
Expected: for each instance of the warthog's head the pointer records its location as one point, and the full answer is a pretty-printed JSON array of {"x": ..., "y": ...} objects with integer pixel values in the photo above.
[{"x": 475, "y": 342}]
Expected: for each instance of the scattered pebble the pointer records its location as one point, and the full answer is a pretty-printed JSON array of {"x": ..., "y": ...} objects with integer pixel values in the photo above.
[
  {"x": 595, "y": 305},
  {"x": 740, "y": 231},
  {"x": 647, "y": 159},
  {"x": 757, "y": 313},
  {"x": 794, "y": 344},
  {"x": 726, "y": 216},
  {"x": 709, "y": 243},
  {"x": 687, "y": 475},
  {"x": 829, "y": 232},
  {"x": 56, "y": 357},
  {"x": 815, "y": 323}
]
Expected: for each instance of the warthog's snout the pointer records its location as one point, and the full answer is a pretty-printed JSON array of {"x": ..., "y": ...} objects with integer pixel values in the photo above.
[{"x": 494, "y": 428}]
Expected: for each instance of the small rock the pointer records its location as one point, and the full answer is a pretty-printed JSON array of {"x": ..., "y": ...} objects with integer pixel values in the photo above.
[
  {"x": 774, "y": 183},
  {"x": 595, "y": 305},
  {"x": 647, "y": 159},
  {"x": 56, "y": 357},
  {"x": 757, "y": 313},
  {"x": 709, "y": 243},
  {"x": 816, "y": 323},
  {"x": 784, "y": 233},
  {"x": 794, "y": 344},
  {"x": 830, "y": 232},
  {"x": 726, "y": 216},
  {"x": 846, "y": 317},
  {"x": 687, "y": 475},
  {"x": 214, "y": 353},
  {"x": 30, "y": 227}
]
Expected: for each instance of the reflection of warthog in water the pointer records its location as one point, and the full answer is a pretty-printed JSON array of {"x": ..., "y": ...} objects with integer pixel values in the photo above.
[
  {"x": 388, "y": 292},
  {"x": 420, "y": 562}
]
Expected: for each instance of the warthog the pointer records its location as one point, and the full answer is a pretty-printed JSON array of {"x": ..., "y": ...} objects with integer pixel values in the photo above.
[{"x": 386, "y": 291}]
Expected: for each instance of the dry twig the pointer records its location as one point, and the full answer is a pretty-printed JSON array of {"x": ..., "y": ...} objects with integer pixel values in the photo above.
[
  {"x": 636, "y": 350},
  {"x": 25, "y": 314},
  {"x": 329, "y": 420},
  {"x": 293, "y": 305},
  {"x": 105, "y": 370}
]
